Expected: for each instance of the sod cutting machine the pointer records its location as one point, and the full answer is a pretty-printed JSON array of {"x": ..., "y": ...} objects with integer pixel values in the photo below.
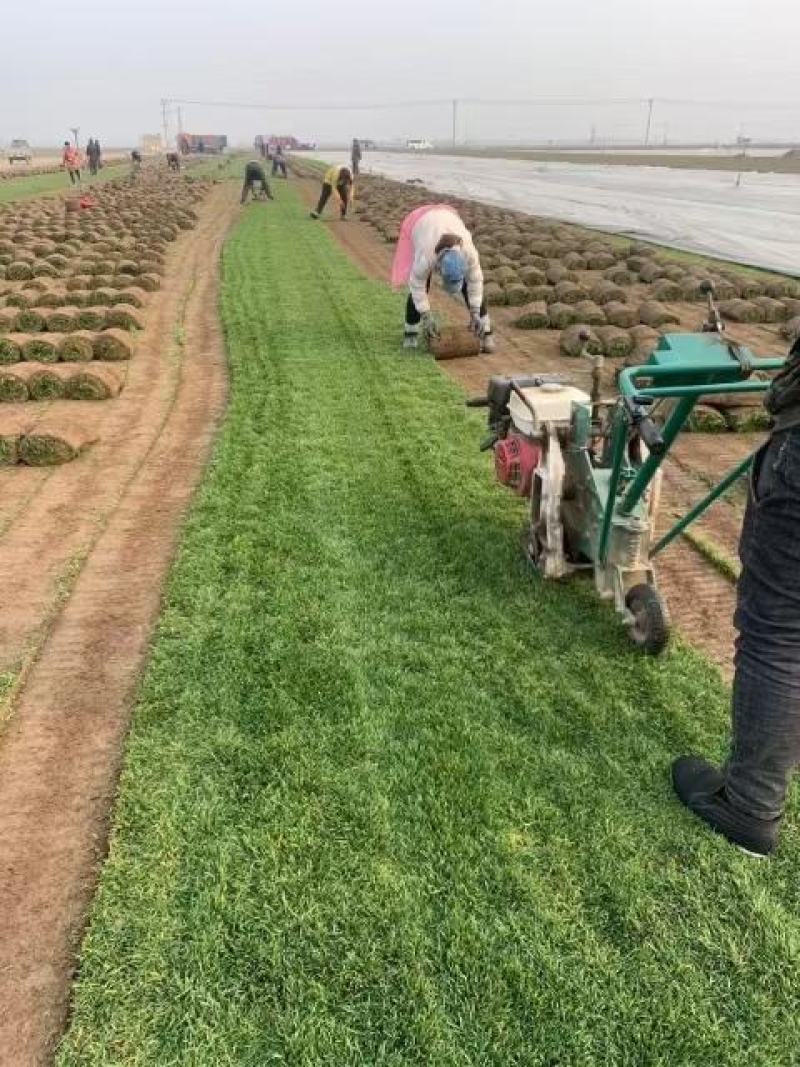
[{"x": 591, "y": 468}]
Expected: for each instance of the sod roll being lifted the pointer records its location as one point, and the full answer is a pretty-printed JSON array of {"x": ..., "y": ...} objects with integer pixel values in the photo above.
[{"x": 54, "y": 440}]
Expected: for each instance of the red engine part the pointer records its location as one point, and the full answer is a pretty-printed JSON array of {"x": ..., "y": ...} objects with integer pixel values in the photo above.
[{"x": 515, "y": 460}]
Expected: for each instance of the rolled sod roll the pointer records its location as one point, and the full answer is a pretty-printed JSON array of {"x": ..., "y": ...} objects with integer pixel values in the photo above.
[
  {"x": 619, "y": 275},
  {"x": 10, "y": 349},
  {"x": 517, "y": 295},
  {"x": 13, "y": 387},
  {"x": 746, "y": 286},
  {"x": 600, "y": 260},
  {"x": 737, "y": 310},
  {"x": 54, "y": 441},
  {"x": 561, "y": 316},
  {"x": 20, "y": 299},
  {"x": 18, "y": 271},
  {"x": 91, "y": 318},
  {"x": 40, "y": 349},
  {"x": 29, "y": 321},
  {"x": 125, "y": 317},
  {"x": 63, "y": 320},
  {"x": 568, "y": 292},
  {"x": 778, "y": 288},
  {"x": 113, "y": 345},
  {"x": 45, "y": 385},
  {"x": 76, "y": 347},
  {"x": 8, "y": 319},
  {"x": 495, "y": 294},
  {"x": 577, "y": 339},
  {"x": 664, "y": 289},
  {"x": 616, "y": 343},
  {"x": 533, "y": 316},
  {"x": 9, "y": 449},
  {"x": 590, "y": 313},
  {"x": 532, "y": 276},
  {"x": 104, "y": 297},
  {"x": 619, "y": 314},
  {"x": 651, "y": 313},
  {"x": 774, "y": 310},
  {"x": 93, "y": 383},
  {"x": 605, "y": 291},
  {"x": 646, "y": 341},
  {"x": 134, "y": 297},
  {"x": 790, "y": 329}
]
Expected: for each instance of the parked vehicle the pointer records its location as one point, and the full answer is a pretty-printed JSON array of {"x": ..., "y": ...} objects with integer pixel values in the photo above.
[
  {"x": 19, "y": 151},
  {"x": 418, "y": 144}
]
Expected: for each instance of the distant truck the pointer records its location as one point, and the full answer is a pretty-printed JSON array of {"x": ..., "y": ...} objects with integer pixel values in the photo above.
[
  {"x": 418, "y": 144},
  {"x": 208, "y": 144},
  {"x": 265, "y": 144},
  {"x": 19, "y": 151}
]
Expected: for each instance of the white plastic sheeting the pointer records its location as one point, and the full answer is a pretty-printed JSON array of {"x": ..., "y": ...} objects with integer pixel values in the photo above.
[{"x": 754, "y": 219}]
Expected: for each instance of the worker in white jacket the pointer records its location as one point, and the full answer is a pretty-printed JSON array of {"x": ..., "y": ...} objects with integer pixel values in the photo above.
[{"x": 434, "y": 240}]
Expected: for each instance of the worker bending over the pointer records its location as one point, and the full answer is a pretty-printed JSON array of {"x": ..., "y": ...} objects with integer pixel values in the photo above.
[
  {"x": 254, "y": 175},
  {"x": 340, "y": 181},
  {"x": 745, "y": 799},
  {"x": 279, "y": 162},
  {"x": 434, "y": 240}
]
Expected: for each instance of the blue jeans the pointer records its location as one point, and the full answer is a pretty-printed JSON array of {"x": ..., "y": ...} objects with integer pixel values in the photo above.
[{"x": 766, "y": 691}]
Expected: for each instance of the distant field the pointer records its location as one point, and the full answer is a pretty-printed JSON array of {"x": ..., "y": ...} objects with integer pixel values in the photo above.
[{"x": 765, "y": 164}]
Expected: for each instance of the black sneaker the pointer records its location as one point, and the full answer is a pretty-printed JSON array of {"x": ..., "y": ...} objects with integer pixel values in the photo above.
[{"x": 701, "y": 787}]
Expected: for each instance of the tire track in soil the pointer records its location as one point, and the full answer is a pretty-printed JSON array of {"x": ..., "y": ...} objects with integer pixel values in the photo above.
[
  {"x": 700, "y": 599},
  {"x": 113, "y": 519}
]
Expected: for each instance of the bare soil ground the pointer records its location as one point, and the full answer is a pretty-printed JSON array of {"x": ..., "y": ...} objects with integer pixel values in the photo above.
[
  {"x": 700, "y": 598},
  {"x": 84, "y": 552}
]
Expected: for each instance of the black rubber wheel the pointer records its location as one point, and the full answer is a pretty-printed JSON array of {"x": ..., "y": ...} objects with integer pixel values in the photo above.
[{"x": 650, "y": 627}]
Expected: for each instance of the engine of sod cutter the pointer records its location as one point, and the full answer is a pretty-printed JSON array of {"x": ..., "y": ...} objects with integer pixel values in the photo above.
[{"x": 591, "y": 467}]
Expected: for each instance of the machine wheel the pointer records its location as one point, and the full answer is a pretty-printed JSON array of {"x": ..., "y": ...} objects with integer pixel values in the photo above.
[{"x": 650, "y": 625}]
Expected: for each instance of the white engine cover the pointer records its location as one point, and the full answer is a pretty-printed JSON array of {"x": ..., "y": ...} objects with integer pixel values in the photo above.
[{"x": 551, "y": 404}]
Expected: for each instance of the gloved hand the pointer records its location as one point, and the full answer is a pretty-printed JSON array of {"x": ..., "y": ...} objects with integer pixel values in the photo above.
[
  {"x": 475, "y": 323},
  {"x": 429, "y": 326}
]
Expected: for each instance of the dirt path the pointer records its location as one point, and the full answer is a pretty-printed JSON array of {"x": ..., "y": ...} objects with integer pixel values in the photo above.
[
  {"x": 84, "y": 551},
  {"x": 701, "y": 599}
]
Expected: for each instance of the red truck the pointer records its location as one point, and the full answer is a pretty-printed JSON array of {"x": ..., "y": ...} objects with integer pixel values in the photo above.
[{"x": 209, "y": 144}]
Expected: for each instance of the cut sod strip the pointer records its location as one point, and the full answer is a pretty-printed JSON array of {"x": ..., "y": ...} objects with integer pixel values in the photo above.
[{"x": 388, "y": 797}]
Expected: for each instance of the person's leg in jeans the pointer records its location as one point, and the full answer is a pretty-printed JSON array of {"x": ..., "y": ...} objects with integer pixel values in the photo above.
[
  {"x": 324, "y": 197},
  {"x": 745, "y": 800},
  {"x": 344, "y": 192},
  {"x": 766, "y": 692}
]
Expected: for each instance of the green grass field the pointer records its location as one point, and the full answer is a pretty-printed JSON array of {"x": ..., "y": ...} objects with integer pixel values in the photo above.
[
  {"x": 388, "y": 798},
  {"x": 23, "y": 188}
]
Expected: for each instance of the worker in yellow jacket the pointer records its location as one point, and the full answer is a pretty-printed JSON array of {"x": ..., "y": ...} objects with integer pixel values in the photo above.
[{"x": 340, "y": 181}]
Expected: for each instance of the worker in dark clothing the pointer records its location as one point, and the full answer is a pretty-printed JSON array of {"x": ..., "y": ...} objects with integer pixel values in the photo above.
[
  {"x": 355, "y": 156},
  {"x": 744, "y": 801},
  {"x": 174, "y": 161},
  {"x": 136, "y": 161},
  {"x": 279, "y": 161},
  {"x": 338, "y": 180},
  {"x": 93, "y": 155},
  {"x": 254, "y": 176}
]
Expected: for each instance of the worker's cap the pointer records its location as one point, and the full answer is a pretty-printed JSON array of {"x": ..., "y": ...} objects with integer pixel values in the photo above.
[{"x": 453, "y": 268}]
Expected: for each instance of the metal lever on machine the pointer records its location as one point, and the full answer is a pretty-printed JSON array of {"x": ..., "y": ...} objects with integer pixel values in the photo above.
[
  {"x": 477, "y": 402},
  {"x": 645, "y": 427}
]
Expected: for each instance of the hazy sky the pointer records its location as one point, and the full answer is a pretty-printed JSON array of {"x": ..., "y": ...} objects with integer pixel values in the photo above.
[{"x": 104, "y": 66}]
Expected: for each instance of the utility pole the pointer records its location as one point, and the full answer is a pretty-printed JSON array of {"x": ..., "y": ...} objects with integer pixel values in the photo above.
[
  {"x": 650, "y": 104},
  {"x": 455, "y": 121},
  {"x": 180, "y": 121},
  {"x": 164, "y": 122}
]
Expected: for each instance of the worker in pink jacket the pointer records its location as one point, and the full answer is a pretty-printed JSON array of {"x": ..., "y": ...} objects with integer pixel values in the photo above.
[
  {"x": 434, "y": 240},
  {"x": 71, "y": 161}
]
